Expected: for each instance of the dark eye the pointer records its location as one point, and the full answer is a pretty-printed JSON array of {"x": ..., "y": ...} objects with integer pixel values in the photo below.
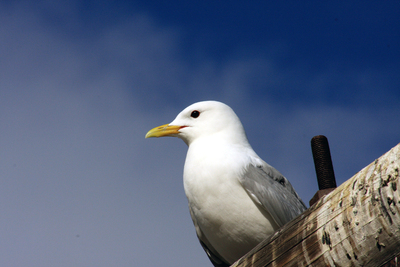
[{"x": 195, "y": 114}]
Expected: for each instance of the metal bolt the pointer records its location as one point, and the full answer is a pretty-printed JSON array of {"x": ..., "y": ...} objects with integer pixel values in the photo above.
[{"x": 323, "y": 162}]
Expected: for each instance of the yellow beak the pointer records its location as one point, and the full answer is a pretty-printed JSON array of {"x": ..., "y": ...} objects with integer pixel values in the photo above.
[{"x": 163, "y": 130}]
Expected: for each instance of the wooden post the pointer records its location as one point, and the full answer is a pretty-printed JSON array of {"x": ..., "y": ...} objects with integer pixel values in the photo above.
[{"x": 357, "y": 224}]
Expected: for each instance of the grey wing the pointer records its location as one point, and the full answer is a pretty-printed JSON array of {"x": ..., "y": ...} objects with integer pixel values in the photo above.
[
  {"x": 212, "y": 254},
  {"x": 270, "y": 189}
]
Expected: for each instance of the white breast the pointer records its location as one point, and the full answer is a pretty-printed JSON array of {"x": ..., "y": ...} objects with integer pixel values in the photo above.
[{"x": 223, "y": 210}]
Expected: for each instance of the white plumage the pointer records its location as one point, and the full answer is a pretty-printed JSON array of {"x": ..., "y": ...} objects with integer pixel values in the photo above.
[{"x": 236, "y": 200}]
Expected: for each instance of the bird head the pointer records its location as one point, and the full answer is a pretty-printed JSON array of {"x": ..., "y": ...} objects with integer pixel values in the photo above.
[{"x": 202, "y": 119}]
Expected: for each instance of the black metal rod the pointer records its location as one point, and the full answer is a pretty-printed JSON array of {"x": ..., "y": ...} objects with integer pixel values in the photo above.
[{"x": 323, "y": 162}]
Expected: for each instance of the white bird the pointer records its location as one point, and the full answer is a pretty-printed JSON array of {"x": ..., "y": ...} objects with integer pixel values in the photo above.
[{"x": 236, "y": 199}]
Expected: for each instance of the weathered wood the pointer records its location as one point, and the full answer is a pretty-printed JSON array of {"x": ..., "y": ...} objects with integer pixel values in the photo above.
[
  {"x": 319, "y": 195},
  {"x": 358, "y": 224}
]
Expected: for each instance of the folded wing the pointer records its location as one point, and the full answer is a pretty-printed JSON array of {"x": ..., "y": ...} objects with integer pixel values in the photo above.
[{"x": 269, "y": 188}]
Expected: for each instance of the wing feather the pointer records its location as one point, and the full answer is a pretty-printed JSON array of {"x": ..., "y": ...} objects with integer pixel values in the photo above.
[
  {"x": 268, "y": 187},
  {"x": 216, "y": 259}
]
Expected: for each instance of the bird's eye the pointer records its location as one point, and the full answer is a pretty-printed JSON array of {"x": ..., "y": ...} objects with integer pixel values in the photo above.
[{"x": 195, "y": 114}]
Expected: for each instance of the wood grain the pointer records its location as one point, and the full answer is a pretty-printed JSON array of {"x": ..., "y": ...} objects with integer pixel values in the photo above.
[{"x": 357, "y": 224}]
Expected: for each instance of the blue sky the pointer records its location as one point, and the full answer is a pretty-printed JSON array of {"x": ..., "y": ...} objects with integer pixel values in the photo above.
[{"x": 82, "y": 82}]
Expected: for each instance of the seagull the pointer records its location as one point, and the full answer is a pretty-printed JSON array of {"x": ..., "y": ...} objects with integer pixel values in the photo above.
[{"x": 236, "y": 200}]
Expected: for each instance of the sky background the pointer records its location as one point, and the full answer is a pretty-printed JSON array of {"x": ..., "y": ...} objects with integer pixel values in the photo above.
[{"x": 81, "y": 82}]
